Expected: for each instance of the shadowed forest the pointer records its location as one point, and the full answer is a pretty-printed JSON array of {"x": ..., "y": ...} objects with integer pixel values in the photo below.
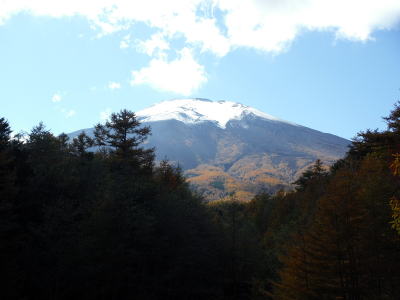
[{"x": 114, "y": 224}]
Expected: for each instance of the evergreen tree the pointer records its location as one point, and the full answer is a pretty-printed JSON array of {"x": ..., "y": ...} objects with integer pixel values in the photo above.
[
  {"x": 81, "y": 144},
  {"x": 393, "y": 120},
  {"x": 324, "y": 261},
  {"x": 9, "y": 229},
  {"x": 123, "y": 135},
  {"x": 315, "y": 172},
  {"x": 394, "y": 201}
]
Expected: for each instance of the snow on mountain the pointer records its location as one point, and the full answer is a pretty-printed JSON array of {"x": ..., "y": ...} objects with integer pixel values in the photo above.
[
  {"x": 235, "y": 148},
  {"x": 197, "y": 110}
]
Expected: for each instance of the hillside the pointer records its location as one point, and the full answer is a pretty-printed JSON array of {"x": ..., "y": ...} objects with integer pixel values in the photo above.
[{"x": 226, "y": 147}]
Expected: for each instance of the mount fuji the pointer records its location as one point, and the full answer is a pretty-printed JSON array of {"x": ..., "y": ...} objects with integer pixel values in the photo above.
[
  {"x": 229, "y": 148},
  {"x": 198, "y": 110}
]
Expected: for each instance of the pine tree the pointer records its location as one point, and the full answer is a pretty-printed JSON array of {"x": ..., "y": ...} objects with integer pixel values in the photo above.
[
  {"x": 393, "y": 120},
  {"x": 323, "y": 262},
  {"x": 122, "y": 135},
  {"x": 9, "y": 229},
  {"x": 81, "y": 144},
  {"x": 6, "y": 167},
  {"x": 315, "y": 172},
  {"x": 394, "y": 201}
]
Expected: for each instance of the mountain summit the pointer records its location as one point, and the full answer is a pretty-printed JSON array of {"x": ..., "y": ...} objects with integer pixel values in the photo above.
[
  {"x": 198, "y": 110},
  {"x": 225, "y": 147}
]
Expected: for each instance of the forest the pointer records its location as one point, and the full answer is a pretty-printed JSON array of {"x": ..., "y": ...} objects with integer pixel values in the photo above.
[{"x": 115, "y": 224}]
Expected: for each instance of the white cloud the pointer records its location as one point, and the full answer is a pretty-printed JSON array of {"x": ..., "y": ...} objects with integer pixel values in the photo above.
[
  {"x": 105, "y": 115},
  {"x": 114, "y": 85},
  {"x": 272, "y": 25},
  {"x": 68, "y": 113},
  {"x": 124, "y": 44},
  {"x": 56, "y": 97},
  {"x": 267, "y": 25},
  {"x": 156, "y": 45},
  {"x": 183, "y": 75},
  {"x": 215, "y": 26}
]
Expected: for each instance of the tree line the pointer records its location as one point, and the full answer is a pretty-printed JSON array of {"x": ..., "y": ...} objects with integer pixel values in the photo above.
[{"x": 97, "y": 218}]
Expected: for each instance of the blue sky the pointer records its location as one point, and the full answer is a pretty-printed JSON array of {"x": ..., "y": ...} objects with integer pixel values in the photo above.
[{"x": 329, "y": 65}]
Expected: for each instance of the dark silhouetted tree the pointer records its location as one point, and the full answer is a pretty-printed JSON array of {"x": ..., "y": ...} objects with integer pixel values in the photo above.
[{"x": 123, "y": 135}]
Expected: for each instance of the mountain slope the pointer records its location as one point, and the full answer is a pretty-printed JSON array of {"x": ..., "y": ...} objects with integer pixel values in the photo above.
[
  {"x": 198, "y": 110},
  {"x": 226, "y": 147}
]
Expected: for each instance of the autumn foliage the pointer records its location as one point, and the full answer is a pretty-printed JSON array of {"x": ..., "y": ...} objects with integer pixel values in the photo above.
[{"x": 101, "y": 219}]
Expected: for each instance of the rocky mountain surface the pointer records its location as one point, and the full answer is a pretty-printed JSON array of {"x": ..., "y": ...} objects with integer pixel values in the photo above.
[{"x": 227, "y": 148}]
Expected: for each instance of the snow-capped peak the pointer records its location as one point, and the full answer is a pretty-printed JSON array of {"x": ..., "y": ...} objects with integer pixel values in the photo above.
[{"x": 198, "y": 110}]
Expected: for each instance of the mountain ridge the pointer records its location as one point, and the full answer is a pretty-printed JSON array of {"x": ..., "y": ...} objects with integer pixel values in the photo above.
[
  {"x": 235, "y": 150},
  {"x": 196, "y": 110}
]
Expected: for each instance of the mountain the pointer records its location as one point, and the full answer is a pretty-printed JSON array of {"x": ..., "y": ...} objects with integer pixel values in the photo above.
[{"x": 226, "y": 147}]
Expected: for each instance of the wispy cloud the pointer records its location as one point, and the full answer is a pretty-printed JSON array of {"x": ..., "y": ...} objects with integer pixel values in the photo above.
[
  {"x": 105, "y": 115},
  {"x": 156, "y": 45},
  {"x": 183, "y": 75},
  {"x": 56, "y": 97},
  {"x": 68, "y": 113},
  {"x": 214, "y": 26},
  {"x": 125, "y": 42},
  {"x": 261, "y": 24},
  {"x": 114, "y": 85}
]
